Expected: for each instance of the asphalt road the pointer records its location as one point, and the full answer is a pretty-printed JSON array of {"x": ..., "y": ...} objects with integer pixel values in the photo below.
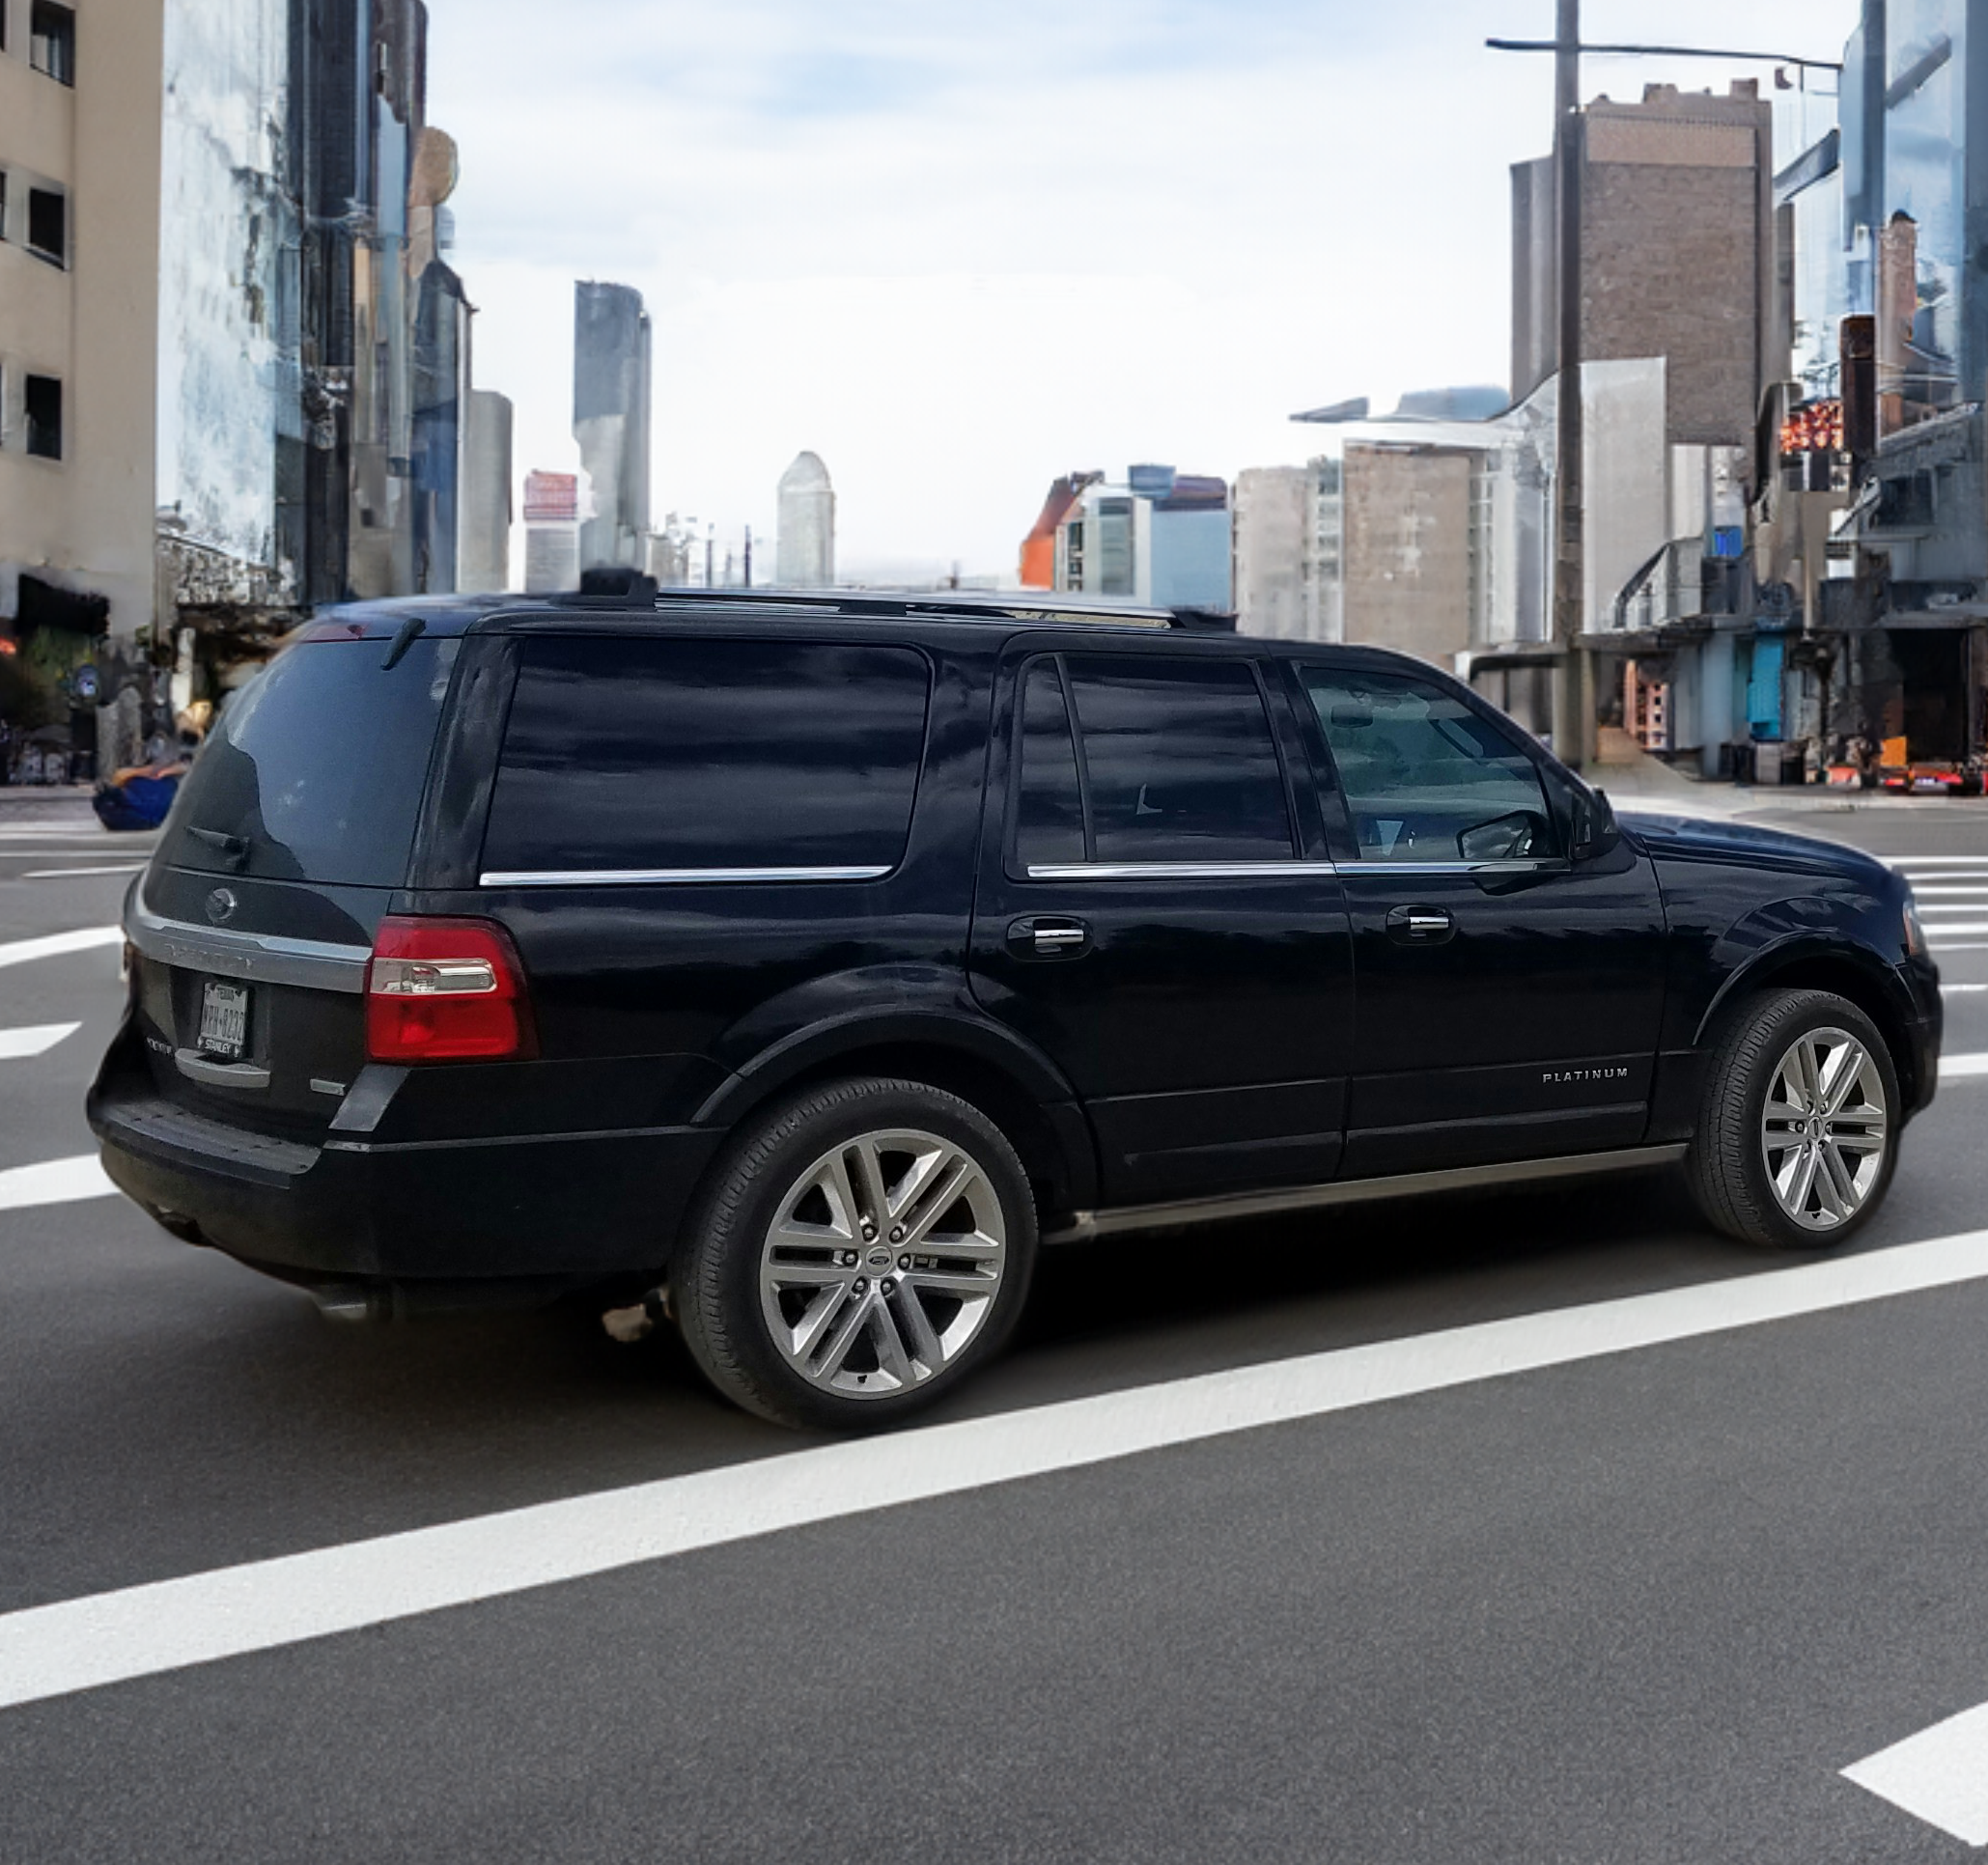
[{"x": 1640, "y": 1606}]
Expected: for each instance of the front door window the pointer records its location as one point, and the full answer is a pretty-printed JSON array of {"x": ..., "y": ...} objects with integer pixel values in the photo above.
[{"x": 1425, "y": 778}]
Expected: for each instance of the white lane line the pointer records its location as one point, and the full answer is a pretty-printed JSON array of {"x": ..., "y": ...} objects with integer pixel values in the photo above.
[
  {"x": 1934, "y": 861},
  {"x": 1970, "y": 891},
  {"x": 54, "y": 1182},
  {"x": 132, "y": 868},
  {"x": 18, "y": 1044},
  {"x": 55, "y": 944},
  {"x": 1963, "y": 1068},
  {"x": 1939, "y": 1776},
  {"x": 1961, "y": 990},
  {"x": 139, "y": 1632}
]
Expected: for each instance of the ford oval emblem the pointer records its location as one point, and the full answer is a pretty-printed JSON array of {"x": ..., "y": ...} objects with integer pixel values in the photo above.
[{"x": 220, "y": 906}]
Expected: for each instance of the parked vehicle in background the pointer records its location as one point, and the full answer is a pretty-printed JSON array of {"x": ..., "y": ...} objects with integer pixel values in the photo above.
[{"x": 815, "y": 959}]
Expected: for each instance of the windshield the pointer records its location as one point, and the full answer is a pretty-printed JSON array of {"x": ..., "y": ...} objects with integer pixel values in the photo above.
[{"x": 317, "y": 770}]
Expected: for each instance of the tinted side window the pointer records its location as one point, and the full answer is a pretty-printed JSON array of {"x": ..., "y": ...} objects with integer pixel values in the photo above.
[
  {"x": 1049, "y": 809},
  {"x": 1179, "y": 764},
  {"x": 684, "y": 754},
  {"x": 317, "y": 768},
  {"x": 1425, "y": 778}
]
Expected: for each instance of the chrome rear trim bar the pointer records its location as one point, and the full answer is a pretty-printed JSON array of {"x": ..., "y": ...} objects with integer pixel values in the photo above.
[
  {"x": 263, "y": 957},
  {"x": 1085, "y": 1225}
]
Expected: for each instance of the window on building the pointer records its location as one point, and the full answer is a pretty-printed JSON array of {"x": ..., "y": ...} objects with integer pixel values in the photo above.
[
  {"x": 1177, "y": 763},
  {"x": 43, "y": 405},
  {"x": 48, "y": 225},
  {"x": 52, "y": 40}
]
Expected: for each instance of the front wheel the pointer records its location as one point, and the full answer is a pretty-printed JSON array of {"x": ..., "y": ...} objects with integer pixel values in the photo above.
[
  {"x": 858, "y": 1252},
  {"x": 1798, "y": 1130}
]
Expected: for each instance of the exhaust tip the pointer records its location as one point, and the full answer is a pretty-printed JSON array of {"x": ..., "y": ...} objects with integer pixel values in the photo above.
[{"x": 351, "y": 1304}]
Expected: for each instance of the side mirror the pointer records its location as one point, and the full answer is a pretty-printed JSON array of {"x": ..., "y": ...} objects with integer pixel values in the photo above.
[
  {"x": 1595, "y": 833},
  {"x": 1505, "y": 838}
]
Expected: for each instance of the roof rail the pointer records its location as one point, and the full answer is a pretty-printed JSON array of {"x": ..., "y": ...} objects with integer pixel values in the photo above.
[{"x": 626, "y": 587}]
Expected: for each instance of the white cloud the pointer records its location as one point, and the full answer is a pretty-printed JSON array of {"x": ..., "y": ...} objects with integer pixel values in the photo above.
[{"x": 958, "y": 249}]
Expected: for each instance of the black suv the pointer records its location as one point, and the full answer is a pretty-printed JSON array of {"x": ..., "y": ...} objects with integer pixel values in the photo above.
[{"x": 802, "y": 963}]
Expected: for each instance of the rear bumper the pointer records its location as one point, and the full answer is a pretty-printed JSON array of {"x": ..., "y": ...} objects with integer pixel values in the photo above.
[{"x": 571, "y": 1208}]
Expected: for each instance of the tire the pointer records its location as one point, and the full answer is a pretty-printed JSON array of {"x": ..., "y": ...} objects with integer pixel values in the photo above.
[
  {"x": 1805, "y": 1178},
  {"x": 798, "y": 1313}
]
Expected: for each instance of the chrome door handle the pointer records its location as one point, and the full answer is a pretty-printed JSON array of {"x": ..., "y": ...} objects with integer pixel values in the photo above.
[
  {"x": 1049, "y": 939},
  {"x": 1421, "y": 926}
]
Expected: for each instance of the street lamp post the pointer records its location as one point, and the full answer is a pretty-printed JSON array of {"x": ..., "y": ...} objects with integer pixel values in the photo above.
[{"x": 1570, "y": 702}]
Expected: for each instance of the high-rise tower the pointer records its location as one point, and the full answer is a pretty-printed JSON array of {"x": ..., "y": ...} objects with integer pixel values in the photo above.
[
  {"x": 610, "y": 419},
  {"x": 807, "y": 525}
]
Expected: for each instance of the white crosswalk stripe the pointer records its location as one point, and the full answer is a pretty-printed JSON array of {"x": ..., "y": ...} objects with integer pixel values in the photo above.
[
  {"x": 18, "y": 1044},
  {"x": 54, "y": 1182},
  {"x": 55, "y": 944},
  {"x": 1964, "y": 1068},
  {"x": 71, "y": 874}
]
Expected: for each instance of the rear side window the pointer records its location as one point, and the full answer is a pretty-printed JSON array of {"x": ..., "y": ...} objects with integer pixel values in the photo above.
[
  {"x": 686, "y": 756},
  {"x": 316, "y": 770},
  {"x": 1174, "y": 761}
]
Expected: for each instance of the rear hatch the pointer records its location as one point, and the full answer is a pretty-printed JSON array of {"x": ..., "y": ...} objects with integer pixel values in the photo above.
[{"x": 289, "y": 839}]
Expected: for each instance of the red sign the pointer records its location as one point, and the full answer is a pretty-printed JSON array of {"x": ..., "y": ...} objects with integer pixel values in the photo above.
[{"x": 551, "y": 498}]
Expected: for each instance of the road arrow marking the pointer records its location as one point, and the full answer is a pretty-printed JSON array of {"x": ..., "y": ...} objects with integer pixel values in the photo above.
[
  {"x": 1939, "y": 1776},
  {"x": 55, "y": 944},
  {"x": 54, "y": 1182},
  {"x": 16, "y": 1045}
]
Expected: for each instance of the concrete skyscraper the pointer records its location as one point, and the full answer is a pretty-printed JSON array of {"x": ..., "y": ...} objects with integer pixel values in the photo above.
[
  {"x": 807, "y": 525},
  {"x": 610, "y": 419}
]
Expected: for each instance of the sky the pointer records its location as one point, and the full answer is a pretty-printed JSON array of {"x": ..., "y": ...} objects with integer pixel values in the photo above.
[{"x": 958, "y": 249}]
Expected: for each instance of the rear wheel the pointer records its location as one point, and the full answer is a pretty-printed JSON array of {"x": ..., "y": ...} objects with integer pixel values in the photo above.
[
  {"x": 1797, "y": 1131},
  {"x": 856, "y": 1254}
]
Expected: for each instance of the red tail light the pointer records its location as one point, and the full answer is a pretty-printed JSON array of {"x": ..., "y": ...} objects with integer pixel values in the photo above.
[{"x": 446, "y": 991}]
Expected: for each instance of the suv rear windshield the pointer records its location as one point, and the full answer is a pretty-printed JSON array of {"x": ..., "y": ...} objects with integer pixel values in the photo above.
[
  {"x": 707, "y": 756},
  {"x": 317, "y": 770}
]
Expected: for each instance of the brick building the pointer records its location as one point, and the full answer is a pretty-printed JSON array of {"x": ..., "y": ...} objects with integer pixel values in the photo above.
[{"x": 1677, "y": 255}]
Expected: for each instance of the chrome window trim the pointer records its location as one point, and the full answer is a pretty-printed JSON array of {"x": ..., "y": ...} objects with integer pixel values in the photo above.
[
  {"x": 671, "y": 876},
  {"x": 1176, "y": 870},
  {"x": 1544, "y": 865},
  {"x": 262, "y": 958}
]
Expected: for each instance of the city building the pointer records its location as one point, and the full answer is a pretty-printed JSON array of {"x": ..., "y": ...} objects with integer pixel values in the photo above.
[
  {"x": 1677, "y": 252},
  {"x": 483, "y": 557},
  {"x": 611, "y": 385},
  {"x": 314, "y": 339},
  {"x": 1900, "y": 630},
  {"x": 1161, "y": 536},
  {"x": 807, "y": 545},
  {"x": 1682, "y": 265},
  {"x": 551, "y": 532},
  {"x": 80, "y": 259},
  {"x": 1428, "y": 530}
]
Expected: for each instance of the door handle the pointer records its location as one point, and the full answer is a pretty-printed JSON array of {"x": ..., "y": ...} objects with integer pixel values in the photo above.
[
  {"x": 1421, "y": 926},
  {"x": 1049, "y": 939}
]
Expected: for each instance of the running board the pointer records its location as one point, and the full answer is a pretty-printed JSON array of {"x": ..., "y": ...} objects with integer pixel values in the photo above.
[{"x": 1084, "y": 1225}]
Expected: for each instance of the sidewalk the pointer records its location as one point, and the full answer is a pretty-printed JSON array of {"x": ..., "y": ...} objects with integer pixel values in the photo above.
[{"x": 1637, "y": 781}]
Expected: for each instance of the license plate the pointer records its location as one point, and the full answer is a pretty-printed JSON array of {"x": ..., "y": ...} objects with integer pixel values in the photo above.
[{"x": 224, "y": 1020}]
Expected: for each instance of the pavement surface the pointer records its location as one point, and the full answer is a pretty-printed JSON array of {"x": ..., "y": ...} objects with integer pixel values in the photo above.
[{"x": 1641, "y": 1604}]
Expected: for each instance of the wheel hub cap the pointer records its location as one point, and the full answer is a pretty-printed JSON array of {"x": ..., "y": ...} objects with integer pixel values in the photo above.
[
  {"x": 1824, "y": 1129},
  {"x": 881, "y": 1264}
]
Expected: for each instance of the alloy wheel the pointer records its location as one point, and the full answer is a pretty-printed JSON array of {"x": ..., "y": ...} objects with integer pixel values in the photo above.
[
  {"x": 1824, "y": 1129},
  {"x": 883, "y": 1262}
]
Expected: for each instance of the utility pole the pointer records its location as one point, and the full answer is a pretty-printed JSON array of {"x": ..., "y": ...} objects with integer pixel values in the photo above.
[{"x": 1572, "y": 703}]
